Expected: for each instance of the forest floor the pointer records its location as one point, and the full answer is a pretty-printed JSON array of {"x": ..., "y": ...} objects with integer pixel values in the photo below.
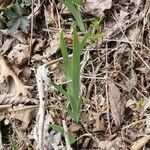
[{"x": 115, "y": 77}]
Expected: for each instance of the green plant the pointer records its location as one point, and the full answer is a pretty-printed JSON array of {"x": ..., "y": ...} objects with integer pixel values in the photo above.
[
  {"x": 140, "y": 103},
  {"x": 14, "y": 145},
  {"x": 96, "y": 33},
  {"x": 14, "y": 17},
  {"x": 58, "y": 128},
  {"x": 71, "y": 69},
  {"x": 72, "y": 6}
]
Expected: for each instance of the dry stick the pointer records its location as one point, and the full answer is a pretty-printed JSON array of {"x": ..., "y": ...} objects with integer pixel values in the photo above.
[
  {"x": 106, "y": 88},
  {"x": 41, "y": 112},
  {"x": 31, "y": 32}
]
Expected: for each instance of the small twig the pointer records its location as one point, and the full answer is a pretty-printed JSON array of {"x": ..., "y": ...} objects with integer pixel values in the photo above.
[
  {"x": 41, "y": 112},
  {"x": 31, "y": 31},
  {"x": 133, "y": 124},
  {"x": 106, "y": 88}
]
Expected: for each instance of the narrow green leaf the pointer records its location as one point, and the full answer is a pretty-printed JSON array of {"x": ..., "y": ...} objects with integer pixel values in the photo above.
[
  {"x": 64, "y": 54},
  {"x": 58, "y": 128},
  {"x": 79, "y": 2},
  {"x": 67, "y": 110},
  {"x": 59, "y": 88},
  {"x": 71, "y": 98},
  {"x": 76, "y": 65},
  {"x": 72, "y": 138},
  {"x": 83, "y": 42},
  {"x": 75, "y": 12}
]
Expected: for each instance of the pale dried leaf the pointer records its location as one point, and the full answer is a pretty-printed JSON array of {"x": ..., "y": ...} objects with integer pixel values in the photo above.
[
  {"x": 16, "y": 86},
  {"x": 24, "y": 114},
  {"x": 99, "y": 123},
  {"x": 26, "y": 72},
  {"x": 97, "y": 7},
  {"x": 54, "y": 44},
  {"x": 116, "y": 144},
  {"x": 7, "y": 45},
  {"x": 48, "y": 19},
  {"x": 39, "y": 44},
  {"x": 136, "y": 2},
  {"x": 116, "y": 103},
  {"x": 18, "y": 35},
  {"x": 122, "y": 19},
  {"x": 137, "y": 145},
  {"x": 19, "y": 55},
  {"x": 74, "y": 127},
  {"x": 14, "y": 99},
  {"x": 134, "y": 34}
]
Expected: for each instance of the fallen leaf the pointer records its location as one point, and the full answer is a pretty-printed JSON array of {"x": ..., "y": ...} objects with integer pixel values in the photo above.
[
  {"x": 13, "y": 85},
  {"x": 99, "y": 122},
  {"x": 23, "y": 113},
  {"x": 137, "y": 145},
  {"x": 96, "y": 7},
  {"x": 54, "y": 44},
  {"x": 116, "y": 144},
  {"x": 19, "y": 55},
  {"x": 18, "y": 35},
  {"x": 74, "y": 127},
  {"x": 39, "y": 44},
  {"x": 116, "y": 103},
  {"x": 134, "y": 34},
  {"x": 13, "y": 99},
  {"x": 7, "y": 45}
]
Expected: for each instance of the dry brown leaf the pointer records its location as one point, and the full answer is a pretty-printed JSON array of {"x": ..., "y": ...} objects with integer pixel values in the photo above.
[
  {"x": 7, "y": 45},
  {"x": 24, "y": 114},
  {"x": 116, "y": 144},
  {"x": 96, "y": 7},
  {"x": 99, "y": 122},
  {"x": 18, "y": 35},
  {"x": 116, "y": 103},
  {"x": 19, "y": 55},
  {"x": 54, "y": 44},
  {"x": 74, "y": 127},
  {"x": 15, "y": 99},
  {"x": 39, "y": 44},
  {"x": 26, "y": 72},
  {"x": 15, "y": 86}
]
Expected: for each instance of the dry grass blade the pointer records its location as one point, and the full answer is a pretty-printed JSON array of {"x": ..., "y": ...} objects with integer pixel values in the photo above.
[{"x": 116, "y": 104}]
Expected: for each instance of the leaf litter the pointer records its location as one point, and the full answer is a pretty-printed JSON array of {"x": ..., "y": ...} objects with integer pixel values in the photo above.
[{"x": 117, "y": 67}]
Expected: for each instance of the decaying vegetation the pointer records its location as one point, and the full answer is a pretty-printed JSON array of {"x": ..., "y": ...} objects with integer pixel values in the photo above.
[{"x": 75, "y": 74}]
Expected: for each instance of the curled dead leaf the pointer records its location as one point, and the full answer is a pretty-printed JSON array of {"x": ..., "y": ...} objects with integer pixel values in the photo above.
[{"x": 116, "y": 103}]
